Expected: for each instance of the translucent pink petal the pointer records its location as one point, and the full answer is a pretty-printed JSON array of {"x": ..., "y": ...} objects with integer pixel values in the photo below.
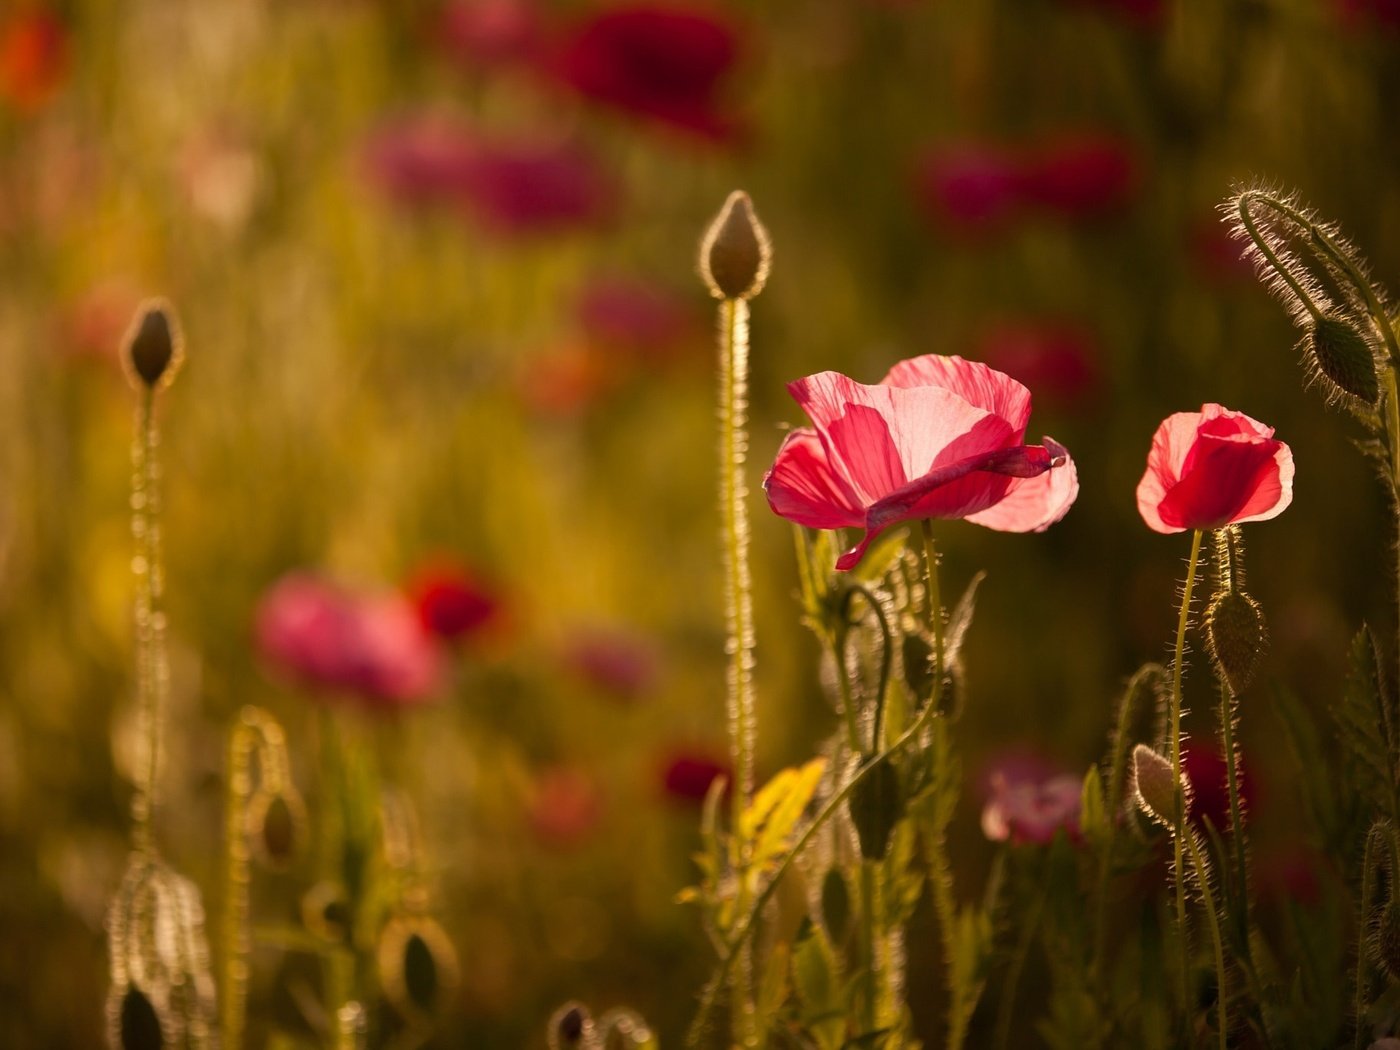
[
  {"x": 1034, "y": 504},
  {"x": 984, "y": 474},
  {"x": 1170, "y": 446},
  {"x": 1274, "y": 495},
  {"x": 803, "y": 488},
  {"x": 974, "y": 382}
]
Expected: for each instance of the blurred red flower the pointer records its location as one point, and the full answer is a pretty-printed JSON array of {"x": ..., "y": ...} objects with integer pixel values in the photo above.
[
  {"x": 1212, "y": 468},
  {"x": 969, "y": 188},
  {"x": 1216, "y": 255},
  {"x": 565, "y": 806},
  {"x": 1060, "y": 360},
  {"x": 686, "y": 776},
  {"x": 1081, "y": 175},
  {"x": 614, "y": 661},
  {"x": 637, "y": 318},
  {"x": 33, "y": 59},
  {"x": 512, "y": 187},
  {"x": 1206, "y": 771},
  {"x": 1026, "y": 808},
  {"x": 660, "y": 62},
  {"x": 490, "y": 33},
  {"x": 1142, "y": 14},
  {"x": 452, "y": 602},
  {"x": 938, "y": 437},
  {"x": 1360, "y": 15},
  {"x": 370, "y": 646}
]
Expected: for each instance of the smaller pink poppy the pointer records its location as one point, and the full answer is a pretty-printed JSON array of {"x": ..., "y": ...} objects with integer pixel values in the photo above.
[
  {"x": 969, "y": 188},
  {"x": 1031, "y": 810},
  {"x": 1082, "y": 175},
  {"x": 662, "y": 62},
  {"x": 1213, "y": 468},
  {"x": 938, "y": 437},
  {"x": 687, "y": 775},
  {"x": 564, "y": 807},
  {"x": 451, "y": 602}
]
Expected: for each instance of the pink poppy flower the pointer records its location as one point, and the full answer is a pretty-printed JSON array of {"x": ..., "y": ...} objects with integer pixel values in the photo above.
[
  {"x": 968, "y": 188},
  {"x": 451, "y": 602},
  {"x": 664, "y": 63},
  {"x": 1082, "y": 176},
  {"x": 1022, "y": 809},
  {"x": 938, "y": 437},
  {"x": 1213, "y": 468},
  {"x": 372, "y": 646}
]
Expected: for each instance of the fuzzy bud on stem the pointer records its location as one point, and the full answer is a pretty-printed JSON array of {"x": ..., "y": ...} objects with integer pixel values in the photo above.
[
  {"x": 1154, "y": 786},
  {"x": 876, "y": 805},
  {"x": 1343, "y": 358},
  {"x": 153, "y": 348},
  {"x": 735, "y": 253},
  {"x": 1235, "y": 638}
]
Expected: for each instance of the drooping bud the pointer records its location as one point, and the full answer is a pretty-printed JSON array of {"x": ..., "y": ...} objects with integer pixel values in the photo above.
[
  {"x": 1154, "y": 786},
  {"x": 876, "y": 806},
  {"x": 735, "y": 253},
  {"x": 153, "y": 347},
  {"x": 1236, "y": 638},
  {"x": 1342, "y": 356},
  {"x": 1386, "y": 939}
]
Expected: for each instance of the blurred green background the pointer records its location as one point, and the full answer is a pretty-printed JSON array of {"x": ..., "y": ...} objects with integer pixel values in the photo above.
[{"x": 435, "y": 268}]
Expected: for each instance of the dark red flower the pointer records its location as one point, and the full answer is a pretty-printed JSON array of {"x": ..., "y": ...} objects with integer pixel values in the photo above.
[
  {"x": 1361, "y": 15},
  {"x": 1059, "y": 360},
  {"x": 451, "y": 602},
  {"x": 33, "y": 59},
  {"x": 1082, "y": 175},
  {"x": 969, "y": 188},
  {"x": 1205, "y": 768},
  {"x": 1215, "y": 255},
  {"x": 370, "y": 646},
  {"x": 687, "y": 775},
  {"x": 663, "y": 63}
]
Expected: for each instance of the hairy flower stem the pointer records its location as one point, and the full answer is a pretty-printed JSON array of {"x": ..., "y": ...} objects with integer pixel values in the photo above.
[
  {"x": 941, "y": 868},
  {"x": 1213, "y": 924},
  {"x": 236, "y": 942},
  {"x": 152, "y": 668},
  {"x": 1179, "y": 817},
  {"x": 1228, "y": 717},
  {"x": 738, "y": 609}
]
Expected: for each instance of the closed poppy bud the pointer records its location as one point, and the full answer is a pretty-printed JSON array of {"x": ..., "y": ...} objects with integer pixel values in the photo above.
[
  {"x": 836, "y": 905},
  {"x": 570, "y": 1026},
  {"x": 876, "y": 806},
  {"x": 1343, "y": 358},
  {"x": 736, "y": 252},
  {"x": 1236, "y": 638},
  {"x": 1154, "y": 786},
  {"x": 153, "y": 350},
  {"x": 277, "y": 824},
  {"x": 139, "y": 1024},
  {"x": 417, "y": 964}
]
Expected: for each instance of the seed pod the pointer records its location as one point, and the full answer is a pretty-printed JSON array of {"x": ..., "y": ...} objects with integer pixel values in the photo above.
[
  {"x": 416, "y": 964},
  {"x": 735, "y": 253},
  {"x": 1236, "y": 638},
  {"x": 1154, "y": 786},
  {"x": 876, "y": 804},
  {"x": 277, "y": 828},
  {"x": 1343, "y": 357},
  {"x": 1386, "y": 939},
  {"x": 139, "y": 1022},
  {"x": 571, "y": 1026},
  {"x": 153, "y": 348},
  {"x": 836, "y": 905}
]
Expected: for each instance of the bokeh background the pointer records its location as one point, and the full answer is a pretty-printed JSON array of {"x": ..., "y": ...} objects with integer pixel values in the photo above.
[{"x": 449, "y": 362}]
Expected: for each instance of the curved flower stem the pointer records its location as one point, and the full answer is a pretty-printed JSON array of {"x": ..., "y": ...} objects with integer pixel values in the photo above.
[
  {"x": 1213, "y": 923},
  {"x": 152, "y": 669},
  {"x": 738, "y": 607},
  {"x": 1179, "y": 822},
  {"x": 1262, "y": 243}
]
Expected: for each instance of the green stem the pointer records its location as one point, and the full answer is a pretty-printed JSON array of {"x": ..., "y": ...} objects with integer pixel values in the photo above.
[
  {"x": 1213, "y": 923},
  {"x": 869, "y": 894},
  {"x": 1237, "y": 832},
  {"x": 1178, "y": 659},
  {"x": 236, "y": 939},
  {"x": 738, "y": 602}
]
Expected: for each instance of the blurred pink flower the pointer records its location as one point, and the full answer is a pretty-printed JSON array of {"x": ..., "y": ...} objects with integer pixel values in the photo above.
[
  {"x": 686, "y": 775},
  {"x": 637, "y": 318},
  {"x": 938, "y": 437},
  {"x": 452, "y": 602},
  {"x": 1059, "y": 360},
  {"x": 520, "y": 186},
  {"x": 490, "y": 33},
  {"x": 614, "y": 661},
  {"x": 1082, "y": 175},
  {"x": 370, "y": 646},
  {"x": 968, "y": 187},
  {"x": 661, "y": 62},
  {"x": 1212, "y": 468},
  {"x": 565, "y": 806},
  {"x": 1024, "y": 806},
  {"x": 34, "y": 60}
]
